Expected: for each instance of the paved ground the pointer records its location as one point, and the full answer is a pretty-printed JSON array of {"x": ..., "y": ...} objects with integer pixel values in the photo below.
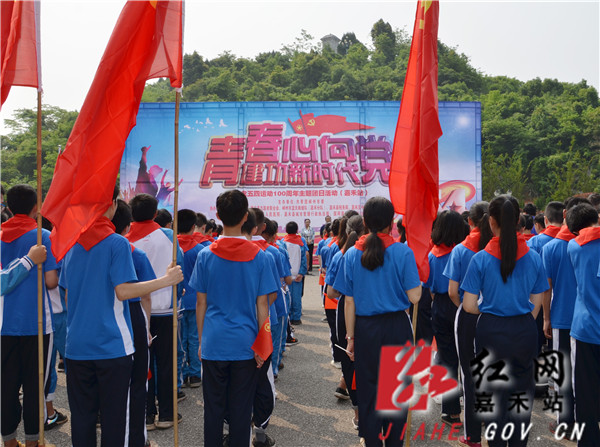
[{"x": 306, "y": 412}]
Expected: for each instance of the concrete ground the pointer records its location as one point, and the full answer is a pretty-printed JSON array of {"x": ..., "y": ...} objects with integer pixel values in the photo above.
[{"x": 306, "y": 412}]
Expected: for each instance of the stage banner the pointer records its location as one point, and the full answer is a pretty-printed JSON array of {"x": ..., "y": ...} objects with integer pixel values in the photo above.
[{"x": 294, "y": 160}]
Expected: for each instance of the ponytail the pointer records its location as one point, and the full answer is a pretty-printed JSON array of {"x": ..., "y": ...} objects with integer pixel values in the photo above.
[
  {"x": 480, "y": 217},
  {"x": 505, "y": 210},
  {"x": 373, "y": 255},
  {"x": 378, "y": 215},
  {"x": 355, "y": 228},
  {"x": 342, "y": 235}
]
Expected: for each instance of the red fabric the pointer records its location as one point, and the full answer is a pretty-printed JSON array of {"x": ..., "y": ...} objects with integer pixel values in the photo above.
[
  {"x": 493, "y": 247},
  {"x": 99, "y": 231},
  {"x": 333, "y": 241},
  {"x": 139, "y": 230},
  {"x": 234, "y": 249},
  {"x": 261, "y": 244},
  {"x": 312, "y": 125},
  {"x": 17, "y": 226},
  {"x": 385, "y": 238},
  {"x": 528, "y": 236},
  {"x": 146, "y": 43},
  {"x": 354, "y": 380},
  {"x": 330, "y": 304},
  {"x": 472, "y": 240},
  {"x": 263, "y": 344},
  {"x": 587, "y": 235},
  {"x": 186, "y": 241},
  {"x": 414, "y": 170},
  {"x": 551, "y": 230},
  {"x": 200, "y": 238},
  {"x": 210, "y": 238},
  {"x": 294, "y": 239},
  {"x": 441, "y": 250},
  {"x": 20, "y": 46},
  {"x": 565, "y": 234}
]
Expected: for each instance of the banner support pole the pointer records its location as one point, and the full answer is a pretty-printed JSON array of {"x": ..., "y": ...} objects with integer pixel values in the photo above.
[
  {"x": 409, "y": 415},
  {"x": 175, "y": 245}
]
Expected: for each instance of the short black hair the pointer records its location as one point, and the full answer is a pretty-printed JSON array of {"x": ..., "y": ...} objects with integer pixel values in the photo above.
[
  {"x": 209, "y": 226},
  {"x": 539, "y": 219},
  {"x": 594, "y": 199},
  {"x": 348, "y": 214},
  {"x": 259, "y": 215},
  {"x": 581, "y": 216},
  {"x": 186, "y": 219},
  {"x": 4, "y": 216},
  {"x": 574, "y": 200},
  {"x": 250, "y": 222},
  {"x": 232, "y": 206},
  {"x": 201, "y": 220},
  {"x": 219, "y": 230},
  {"x": 46, "y": 224},
  {"x": 270, "y": 228},
  {"x": 291, "y": 228},
  {"x": 554, "y": 212},
  {"x": 163, "y": 217},
  {"x": 143, "y": 207},
  {"x": 530, "y": 209},
  {"x": 21, "y": 199},
  {"x": 116, "y": 192},
  {"x": 122, "y": 217}
]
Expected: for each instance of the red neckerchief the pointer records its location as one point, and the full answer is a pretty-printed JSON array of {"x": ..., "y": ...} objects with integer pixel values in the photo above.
[
  {"x": 141, "y": 229},
  {"x": 186, "y": 241},
  {"x": 493, "y": 247},
  {"x": 551, "y": 231},
  {"x": 588, "y": 234},
  {"x": 262, "y": 244},
  {"x": 17, "y": 226},
  {"x": 273, "y": 244},
  {"x": 293, "y": 239},
  {"x": 210, "y": 238},
  {"x": 200, "y": 238},
  {"x": 472, "y": 240},
  {"x": 565, "y": 234},
  {"x": 528, "y": 236},
  {"x": 215, "y": 234},
  {"x": 132, "y": 247},
  {"x": 441, "y": 250},
  {"x": 333, "y": 241},
  {"x": 99, "y": 231},
  {"x": 234, "y": 249},
  {"x": 384, "y": 237}
]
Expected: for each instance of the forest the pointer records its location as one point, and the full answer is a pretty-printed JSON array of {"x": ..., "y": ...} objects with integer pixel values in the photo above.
[{"x": 540, "y": 138}]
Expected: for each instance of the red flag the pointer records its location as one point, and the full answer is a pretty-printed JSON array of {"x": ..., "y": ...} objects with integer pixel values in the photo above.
[
  {"x": 20, "y": 45},
  {"x": 263, "y": 345},
  {"x": 414, "y": 188},
  {"x": 146, "y": 43},
  {"x": 312, "y": 125}
]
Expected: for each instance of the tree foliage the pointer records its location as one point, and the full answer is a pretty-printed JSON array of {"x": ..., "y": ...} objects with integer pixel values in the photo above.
[{"x": 540, "y": 138}]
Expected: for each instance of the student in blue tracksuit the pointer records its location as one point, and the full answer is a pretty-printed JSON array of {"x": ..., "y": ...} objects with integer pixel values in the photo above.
[
  {"x": 448, "y": 230},
  {"x": 379, "y": 279},
  {"x": 511, "y": 279},
  {"x": 584, "y": 252},
  {"x": 466, "y": 323}
]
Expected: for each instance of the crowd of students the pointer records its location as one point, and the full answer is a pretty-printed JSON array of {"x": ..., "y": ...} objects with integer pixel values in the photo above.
[{"x": 108, "y": 308}]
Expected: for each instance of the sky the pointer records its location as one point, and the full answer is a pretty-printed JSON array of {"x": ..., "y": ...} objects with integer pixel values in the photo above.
[{"x": 524, "y": 40}]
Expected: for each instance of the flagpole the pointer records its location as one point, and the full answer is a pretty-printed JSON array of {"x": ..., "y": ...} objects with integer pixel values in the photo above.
[
  {"x": 414, "y": 325},
  {"x": 42, "y": 400},
  {"x": 175, "y": 245}
]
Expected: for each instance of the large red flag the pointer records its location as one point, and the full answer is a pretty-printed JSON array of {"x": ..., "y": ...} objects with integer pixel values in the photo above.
[
  {"x": 146, "y": 43},
  {"x": 414, "y": 169},
  {"x": 20, "y": 45}
]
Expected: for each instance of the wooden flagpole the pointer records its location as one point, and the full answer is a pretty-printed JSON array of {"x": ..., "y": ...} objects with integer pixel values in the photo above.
[
  {"x": 42, "y": 400},
  {"x": 409, "y": 415},
  {"x": 175, "y": 245}
]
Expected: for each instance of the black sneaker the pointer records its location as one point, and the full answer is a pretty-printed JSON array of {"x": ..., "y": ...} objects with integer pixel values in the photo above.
[
  {"x": 180, "y": 396},
  {"x": 268, "y": 442},
  {"x": 61, "y": 366},
  {"x": 55, "y": 420},
  {"x": 194, "y": 382},
  {"x": 291, "y": 340},
  {"x": 451, "y": 420},
  {"x": 341, "y": 393},
  {"x": 296, "y": 322},
  {"x": 150, "y": 425},
  {"x": 168, "y": 422},
  {"x": 281, "y": 365}
]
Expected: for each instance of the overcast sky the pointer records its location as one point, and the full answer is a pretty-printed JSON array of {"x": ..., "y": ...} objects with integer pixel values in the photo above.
[{"x": 524, "y": 40}]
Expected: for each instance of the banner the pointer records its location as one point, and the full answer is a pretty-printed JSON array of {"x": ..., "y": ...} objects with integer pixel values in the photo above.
[{"x": 294, "y": 160}]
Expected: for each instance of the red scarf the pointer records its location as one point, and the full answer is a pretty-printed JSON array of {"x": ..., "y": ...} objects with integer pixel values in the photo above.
[
  {"x": 141, "y": 229},
  {"x": 99, "y": 231},
  {"x": 186, "y": 241},
  {"x": 441, "y": 250},
  {"x": 588, "y": 234},
  {"x": 262, "y": 244},
  {"x": 234, "y": 249},
  {"x": 565, "y": 234},
  {"x": 472, "y": 240},
  {"x": 294, "y": 239},
  {"x": 493, "y": 247},
  {"x": 551, "y": 231},
  {"x": 211, "y": 239},
  {"x": 333, "y": 241},
  {"x": 384, "y": 237},
  {"x": 200, "y": 238},
  {"x": 17, "y": 226}
]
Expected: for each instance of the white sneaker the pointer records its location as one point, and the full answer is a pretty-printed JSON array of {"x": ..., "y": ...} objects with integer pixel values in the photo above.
[{"x": 338, "y": 365}]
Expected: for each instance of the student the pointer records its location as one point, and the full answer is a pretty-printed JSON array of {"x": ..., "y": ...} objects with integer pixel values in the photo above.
[
  {"x": 553, "y": 220},
  {"x": 448, "y": 230},
  {"x": 539, "y": 224},
  {"x": 325, "y": 234},
  {"x": 19, "y": 319},
  {"x": 98, "y": 275},
  {"x": 200, "y": 230},
  {"x": 192, "y": 368},
  {"x": 584, "y": 252},
  {"x": 229, "y": 314},
  {"x": 466, "y": 323},
  {"x": 558, "y": 304},
  {"x": 164, "y": 218},
  {"x": 157, "y": 243},
  {"x": 335, "y": 230},
  {"x": 379, "y": 278},
  {"x": 510, "y": 278},
  {"x": 297, "y": 251}
]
